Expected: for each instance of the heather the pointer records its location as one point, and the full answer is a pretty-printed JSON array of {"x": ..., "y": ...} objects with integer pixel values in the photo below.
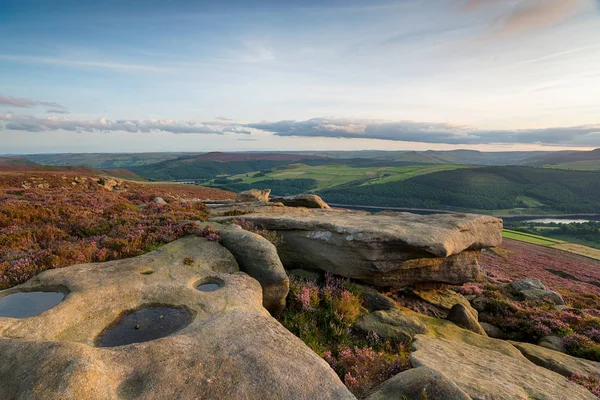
[
  {"x": 322, "y": 316},
  {"x": 568, "y": 273},
  {"x": 529, "y": 321},
  {"x": 56, "y": 227}
]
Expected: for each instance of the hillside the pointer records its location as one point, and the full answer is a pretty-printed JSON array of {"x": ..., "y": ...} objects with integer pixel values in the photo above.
[
  {"x": 15, "y": 161},
  {"x": 581, "y": 160},
  {"x": 487, "y": 188},
  {"x": 102, "y": 160}
]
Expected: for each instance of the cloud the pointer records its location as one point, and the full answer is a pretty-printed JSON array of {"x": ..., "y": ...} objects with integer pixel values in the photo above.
[
  {"x": 57, "y": 111},
  {"x": 523, "y": 15},
  {"x": 424, "y": 132},
  {"x": 34, "y": 124},
  {"x": 27, "y": 103},
  {"x": 82, "y": 63}
]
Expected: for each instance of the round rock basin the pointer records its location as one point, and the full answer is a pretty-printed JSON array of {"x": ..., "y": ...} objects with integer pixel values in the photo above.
[
  {"x": 28, "y": 304},
  {"x": 210, "y": 285},
  {"x": 145, "y": 324}
]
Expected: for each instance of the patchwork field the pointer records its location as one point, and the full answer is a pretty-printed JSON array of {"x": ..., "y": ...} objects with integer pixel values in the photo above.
[{"x": 333, "y": 175}]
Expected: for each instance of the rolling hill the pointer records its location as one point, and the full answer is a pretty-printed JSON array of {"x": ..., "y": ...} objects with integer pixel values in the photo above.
[{"x": 485, "y": 189}]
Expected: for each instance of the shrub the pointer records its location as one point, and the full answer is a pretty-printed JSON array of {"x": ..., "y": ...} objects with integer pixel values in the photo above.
[{"x": 590, "y": 382}]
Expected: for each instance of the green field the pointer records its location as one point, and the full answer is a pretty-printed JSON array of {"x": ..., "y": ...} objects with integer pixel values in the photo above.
[
  {"x": 332, "y": 175},
  {"x": 529, "y": 238}
]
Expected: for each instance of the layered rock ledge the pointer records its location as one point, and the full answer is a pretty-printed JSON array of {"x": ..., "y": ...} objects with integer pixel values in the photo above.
[{"x": 383, "y": 250}]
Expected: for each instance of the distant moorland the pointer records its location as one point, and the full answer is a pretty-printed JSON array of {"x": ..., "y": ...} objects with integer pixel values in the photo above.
[{"x": 500, "y": 183}]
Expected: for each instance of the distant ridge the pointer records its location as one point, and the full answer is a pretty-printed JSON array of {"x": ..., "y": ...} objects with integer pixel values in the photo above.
[{"x": 225, "y": 157}]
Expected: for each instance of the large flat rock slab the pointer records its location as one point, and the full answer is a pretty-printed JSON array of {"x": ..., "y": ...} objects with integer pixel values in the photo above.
[
  {"x": 383, "y": 250},
  {"x": 556, "y": 361},
  {"x": 231, "y": 348},
  {"x": 485, "y": 373}
]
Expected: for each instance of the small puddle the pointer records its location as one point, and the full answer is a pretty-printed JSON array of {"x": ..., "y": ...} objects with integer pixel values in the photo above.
[
  {"x": 28, "y": 304},
  {"x": 145, "y": 324},
  {"x": 208, "y": 287}
]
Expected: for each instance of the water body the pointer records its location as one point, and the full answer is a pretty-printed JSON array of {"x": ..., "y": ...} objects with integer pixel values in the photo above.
[
  {"x": 28, "y": 304},
  {"x": 145, "y": 324},
  {"x": 558, "y": 221}
]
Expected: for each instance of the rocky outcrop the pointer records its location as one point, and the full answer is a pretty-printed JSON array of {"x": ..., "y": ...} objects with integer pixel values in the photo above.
[
  {"x": 227, "y": 347},
  {"x": 385, "y": 251},
  {"x": 418, "y": 383},
  {"x": 253, "y": 195},
  {"x": 302, "y": 200},
  {"x": 558, "y": 362},
  {"x": 489, "y": 374}
]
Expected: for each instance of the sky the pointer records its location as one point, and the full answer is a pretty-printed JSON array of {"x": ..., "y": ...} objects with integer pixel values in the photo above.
[{"x": 150, "y": 75}]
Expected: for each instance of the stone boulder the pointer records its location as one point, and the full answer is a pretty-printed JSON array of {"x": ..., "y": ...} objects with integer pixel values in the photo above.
[
  {"x": 257, "y": 257},
  {"x": 445, "y": 299},
  {"x": 108, "y": 183},
  {"x": 376, "y": 301},
  {"x": 227, "y": 346},
  {"x": 492, "y": 330},
  {"x": 418, "y": 383},
  {"x": 553, "y": 343},
  {"x": 253, "y": 195},
  {"x": 391, "y": 324},
  {"x": 484, "y": 373},
  {"x": 385, "y": 251},
  {"x": 533, "y": 289},
  {"x": 159, "y": 201},
  {"x": 463, "y": 317},
  {"x": 563, "y": 364},
  {"x": 302, "y": 200}
]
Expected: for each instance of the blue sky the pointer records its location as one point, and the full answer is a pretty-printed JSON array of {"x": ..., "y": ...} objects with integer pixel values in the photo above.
[{"x": 90, "y": 76}]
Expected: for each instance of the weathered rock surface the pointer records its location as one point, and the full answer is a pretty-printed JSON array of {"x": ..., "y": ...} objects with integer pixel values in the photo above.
[
  {"x": 418, "y": 383},
  {"x": 387, "y": 251},
  {"x": 463, "y": 317},
  {"x": 391, "y": 324},
  {"x": 254, "y": 195},
  {"x": 485, "y": 374},
  {"x": 563, "y": 364},
  {"x": 302, "y": 200},
  {"x": 232, "y": 349}
]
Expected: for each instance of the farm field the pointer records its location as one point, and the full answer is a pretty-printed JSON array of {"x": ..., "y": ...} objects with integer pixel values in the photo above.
[{"x": 552, "y": 243}]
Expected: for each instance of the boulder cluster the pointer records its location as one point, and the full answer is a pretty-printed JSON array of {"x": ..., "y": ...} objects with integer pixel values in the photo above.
[{"x": 193, "y": 319}]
